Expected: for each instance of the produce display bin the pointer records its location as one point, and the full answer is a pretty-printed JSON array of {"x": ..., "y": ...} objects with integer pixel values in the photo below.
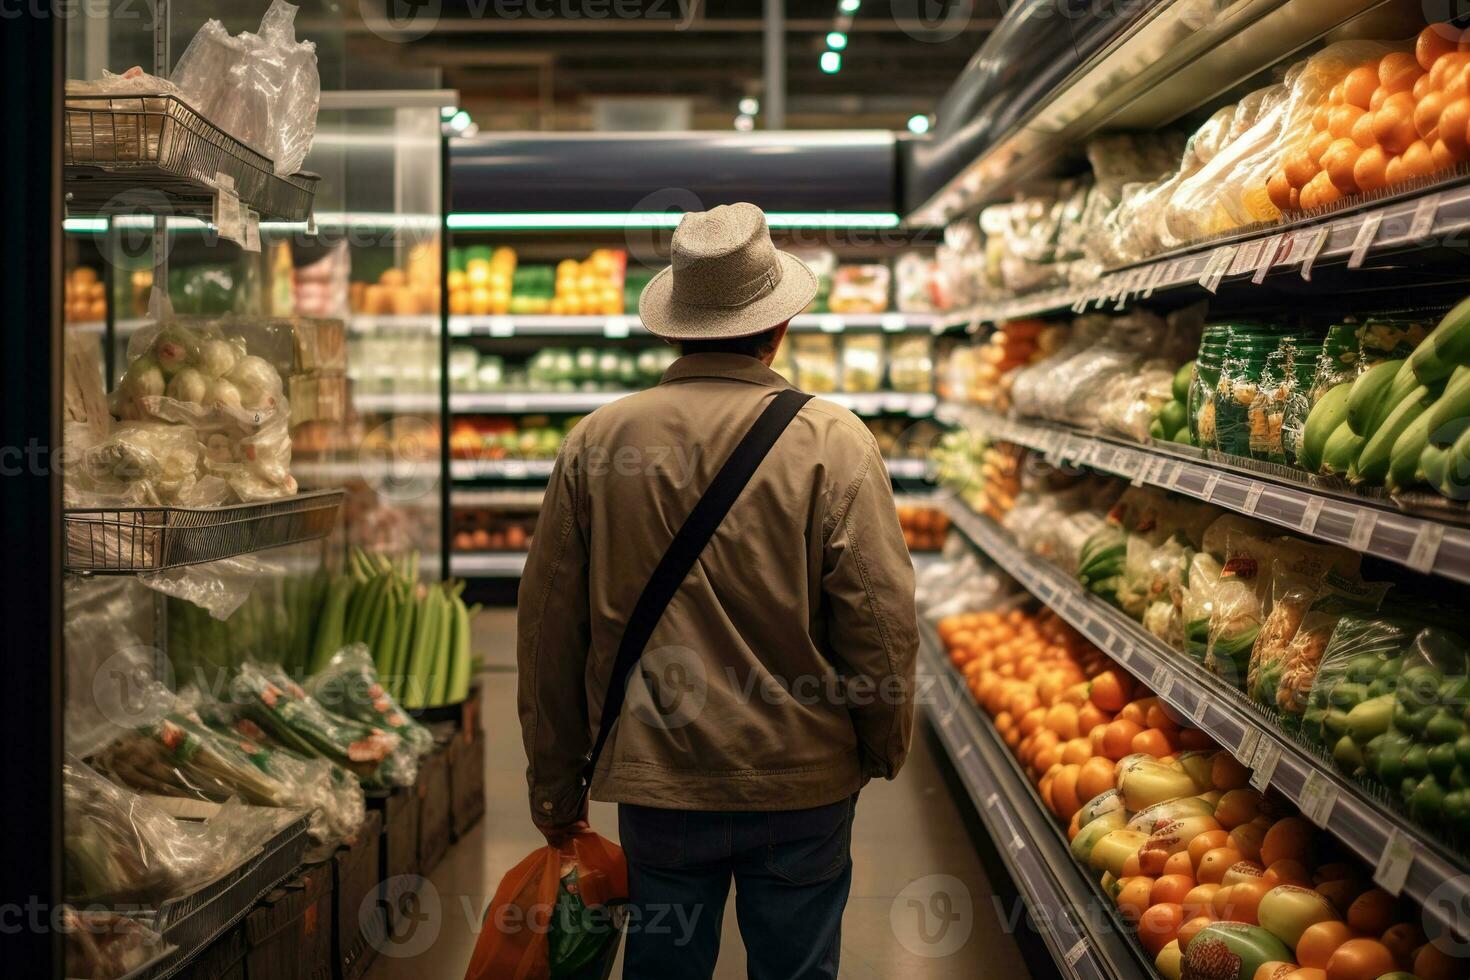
[
  {"x": 466, "y": 781},
  {"x": 398, "y": 859},
  {"x": 432, "y": 790},
  {"x": 289, "y": 932},
  {"x": 464, "y": 715},
  {"x": 356, "y": 931}
]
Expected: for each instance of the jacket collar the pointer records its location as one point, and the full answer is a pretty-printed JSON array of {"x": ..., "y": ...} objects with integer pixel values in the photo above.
[{"x": 730, "y": 367}]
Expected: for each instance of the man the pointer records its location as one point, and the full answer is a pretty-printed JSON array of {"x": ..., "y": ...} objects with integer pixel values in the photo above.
[{"x": 778, "y": 679}]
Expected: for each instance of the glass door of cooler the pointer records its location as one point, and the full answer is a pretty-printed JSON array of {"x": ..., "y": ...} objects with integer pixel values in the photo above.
[{"x": 375, "y": 427}]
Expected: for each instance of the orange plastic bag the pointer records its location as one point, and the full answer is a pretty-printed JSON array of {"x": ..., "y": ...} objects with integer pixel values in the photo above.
[{"x": 535, "y": 910}]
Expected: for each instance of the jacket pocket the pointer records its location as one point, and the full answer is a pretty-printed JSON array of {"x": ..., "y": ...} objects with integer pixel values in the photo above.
[
  {"x": 807, "y": 846},
  {"x": 652, "y": 836}
]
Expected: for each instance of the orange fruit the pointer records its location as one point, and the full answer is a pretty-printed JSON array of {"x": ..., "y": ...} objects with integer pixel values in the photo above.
[
  {"x": 1089, "y": 716},
  {"x": 1443, "y": 157},
  {"x": 1427, "y": 112},
  {"x": 1398, "y": 71},
  {"x": 1422, "y": 87},
  {"x": 1393, "y": 123},
  {"x": 1433, "y": 41},
  {"x": 1340, "y": 122},
  {"x": 1062, "y": 719},
  {"x": 1191, "y": 928},
  {"x": 1288, "y": 838},
  {"x": 1152, "y": 741},
  {"x": 1433, "y": 963},
  {"x": 1095, "y": 736},
  {"x": 1075, "y": 752},
  {"x": 1133, "y": 897},
  {"x": 1300, "y": 167},
  {"x": 1247, "y": 840},
  {"x": 1110, "y": 690},
  {"x": 1226, "y": 773},
  {"x": 1402, "y": 939},
  {"x": 1288, "y": 872},
  {"x": 1197, "y": 902},
  {"x": 1359, "y": 84},
  {"x": 1370, "y": 172},
  {"x": 1448, "y": 71},
  {"x": 1064, "y": 792},
  {"x": 1418, "y": 160},
  {"x": 1172, "y": 888},
  {"x": 1159, "y": 926},
  {"x": 1179, "y": 864},
  {"x": 1318, "y": 144},
  {"x": 1320, "y": 940},
  {"x": 1360, "y": 959},
  {"x": 1305, "y": 973},
  {"x": 1453, "y": 122},
  {"x": 1137, "y": 711},
  {"x": 1393, "y": 172},
  {"x": 1094, "y": 778},
  {"x": 1132, "y": 867},
  {"x": 1214, "y": 863},
  {"x": 1031, "y": 718},
  {"x": 1074, "y": 826},
  {"x": 1237, "y": 806},
  {"x": 1242, "y": 903},
  {"x": 1339, "y": 161},
  {"x": 1117, "y": 740},
  {"x": 1206, "y": 841},
  {"x": 1278, "y": 189},
  {"x": 1362, "y": 131},
  {"x": 1371, "y": 912}
]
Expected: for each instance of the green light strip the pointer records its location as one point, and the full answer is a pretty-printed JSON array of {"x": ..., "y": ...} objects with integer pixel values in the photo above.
[{"x": 549, "y": 221}]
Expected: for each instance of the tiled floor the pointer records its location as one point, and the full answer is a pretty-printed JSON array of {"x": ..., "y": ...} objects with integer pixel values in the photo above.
[{"x": 916, "y": 868}]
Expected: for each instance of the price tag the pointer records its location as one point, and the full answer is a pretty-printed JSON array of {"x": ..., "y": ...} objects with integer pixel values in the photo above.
[
  {"x": 616, "y": 326},
  {"x": 1153, "y": 278},
  {"x": 1426, "y": 547},
  {"x": 1268, "y": 754},
  {"x": 830, "y": 324},
  {"x": 1078, "y": 950},
  {"x": 1080, "y": 306},
  {"x": 1253, "y": 497},
  {"x": 1268, "y": 259},
  {"x": 991, "y": 801},
  {"x": 1393, "y": 863},
  {"x": 1319, "y": 796},
  {"x": 252, "y": 232},
  {"x": 964, "y": 750},
  {"x": 1175, "y": 472},
  {"x": 1245, "y": 752},
  {"x": 1367, "y": 231},
  {"x": 227, "y": 217},
  {"x": 1210, "y": 484},
  {"x": 1247, "y": 257},
  {"x": 1314, "y": 249},
  {"x": 502, "y": 326},
  {"x": 1162, "y": 681},
  {"x": 1140, "y": 469},
  {"x": 1218, "y": 265},
  {"x": 1310, "y": 513},
  {"x": 892, "y": 322},
  {"x": 1423, "y": 221},
  {"x": 1201, "y": 708},
  {"x": 1364, "y": 521}
]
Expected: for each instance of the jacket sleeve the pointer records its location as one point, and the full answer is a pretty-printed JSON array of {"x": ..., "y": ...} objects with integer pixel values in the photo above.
[
  {"x": 868, "y": 586},
  {"x": 552, "y": 647}
]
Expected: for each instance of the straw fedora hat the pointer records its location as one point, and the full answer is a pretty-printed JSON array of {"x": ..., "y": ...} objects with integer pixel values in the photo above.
[{"x": 725, "y": 279}]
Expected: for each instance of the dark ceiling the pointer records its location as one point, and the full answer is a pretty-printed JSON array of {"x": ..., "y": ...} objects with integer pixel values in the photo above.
[{"x": 542, "y": 64}]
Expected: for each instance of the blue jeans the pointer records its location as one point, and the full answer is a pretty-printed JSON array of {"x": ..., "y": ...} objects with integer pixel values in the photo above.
[{"x": 791, "y": 868}]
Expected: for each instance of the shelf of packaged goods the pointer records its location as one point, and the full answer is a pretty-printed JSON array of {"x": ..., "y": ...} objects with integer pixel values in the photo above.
[
  {"x": 1178, "y": 55},
  {"x": 1368, "y": 525},
  {"x": 524, "y": 325},
  {"x": 131, "y": 540},
  {"x": 383, "y": 473},
  {"x": 1077, "y": 923},
  {"x": 1406, "y": 859},
  {"x": 498, "y": 499},
  {"x": 393, "y": 323},
  {"x": 1349, "y": 238},
  {"x": 869, "y": 403},
  {"x": 487, "y": 564},
  {"x": 500, "y": 469}
]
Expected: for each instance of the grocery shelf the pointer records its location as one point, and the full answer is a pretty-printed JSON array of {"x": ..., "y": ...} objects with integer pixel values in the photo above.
[
  {"x": 908, "y": 469},
  {"x": 1431, "y": 875},
  {"x": 393, "y": 323},
  {"x": 129, "y": 540},
  {"x": 1349, "y": 237},
  {"x": 1063, "y": 902},
  {"x": 1328, "y": 513},
  {"x": 500, "y": 469},
  {"x": 487, "y": 564},
  {"x": 396, "y": 402},
  {"x": 525, "y": 325},
  {"x": 507, "y": 499},
  {"x": 552, "y": 402}
]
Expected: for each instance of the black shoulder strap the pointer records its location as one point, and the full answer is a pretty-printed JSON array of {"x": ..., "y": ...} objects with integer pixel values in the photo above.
[{"x": 685, "y": 550}]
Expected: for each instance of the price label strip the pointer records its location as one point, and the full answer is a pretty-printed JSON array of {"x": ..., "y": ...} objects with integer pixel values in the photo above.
[
  {"x": 1201, "y": 708},
  {"x": 1314, "y": 248},
  {"x": 1422, "y": 224},
  {"x": 1247, "y": 257},
  {"x": 1310, "y": 513},
  {"x": 1078, "y": 950},
  {"x": 1426, "y": 547},
  {"x": 1210, "y": 485},
  {"x": 1367, "y": 231},
  {"x": 1393, "y": 865},
  {"x": 1263, "y": 767},
  {"x": 1319, "y": 796},
  {"x": 1364, "y": 521},
  {"x": 1253, "y": 498},
  {"x": 1245, "y": 751},
  {"x": 1162, "y": 680},
  {"x": 1220, "y": 261},
  {"x": 1268, "y": 259}
]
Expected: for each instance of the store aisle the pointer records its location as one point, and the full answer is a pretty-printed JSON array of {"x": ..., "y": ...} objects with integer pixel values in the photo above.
[{"x": 917, "y": 869}]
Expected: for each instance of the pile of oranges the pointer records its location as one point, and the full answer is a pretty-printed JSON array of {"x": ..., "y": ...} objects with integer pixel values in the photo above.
[{"x": 1400, "y": 117}]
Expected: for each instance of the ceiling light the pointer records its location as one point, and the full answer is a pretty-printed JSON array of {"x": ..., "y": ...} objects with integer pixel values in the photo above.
[
  {"x": 750, "y": 106},
  {"x": 836, "y": 40},
  {"x": 744, "y": 123},
  {"x": 919, "y": 124},
  {"x": 831, "y": 62}
]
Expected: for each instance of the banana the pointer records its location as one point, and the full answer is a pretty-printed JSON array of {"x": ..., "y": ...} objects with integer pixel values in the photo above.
[
  {"x": 1341, "y": 450},
  {"x": 1446, "y": 348},
  {"x": 1447, "y": 416},
  {"x": 1329, "y": 412},
  {"x": 1403, "y": 461},
  {"x": 1366, "y": 398},
  {"x": 1373, "y": 462}
]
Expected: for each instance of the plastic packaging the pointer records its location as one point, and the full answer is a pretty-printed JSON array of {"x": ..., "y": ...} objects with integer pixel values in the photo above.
[
  {"x": 264, "y": 89},
  {"x": 576, "y": 886},
  {"x": 815, "y": 358},
  {"x": 862, "y": 362},
  {"x": 1335, "y": 596},
  {"x": 378, "y": 757},
  {"x": 349, "y": 686},
  {"x": 103, "y": 945},
  {"x": 859, "y": 289},
  {"x": 122, "y": 849},
  {"x": 911, "y": 364},
  {"x": 141, "y": 464}
]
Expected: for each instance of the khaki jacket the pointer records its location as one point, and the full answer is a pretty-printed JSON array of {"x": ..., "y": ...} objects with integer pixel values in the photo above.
[{"x": 781, "y": 675}]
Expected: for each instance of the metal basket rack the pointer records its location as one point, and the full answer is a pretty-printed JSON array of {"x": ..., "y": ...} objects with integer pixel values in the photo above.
[
  {"x": 118, "y": 149},
  {"x": 125, "y": 541}
]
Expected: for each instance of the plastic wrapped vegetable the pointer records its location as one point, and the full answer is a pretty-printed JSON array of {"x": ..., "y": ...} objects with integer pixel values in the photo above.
[
  {"x": 103, "y": 945},
  {"x": 122, "y": 849},
  {"x": 349, "y": 685},
  {"x": 378, "y": 757},
  {"x": 1336, "y": 595}
]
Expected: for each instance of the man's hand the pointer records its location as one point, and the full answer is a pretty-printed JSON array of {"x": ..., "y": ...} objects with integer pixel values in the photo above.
[{"x": 558, "y": 833}]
